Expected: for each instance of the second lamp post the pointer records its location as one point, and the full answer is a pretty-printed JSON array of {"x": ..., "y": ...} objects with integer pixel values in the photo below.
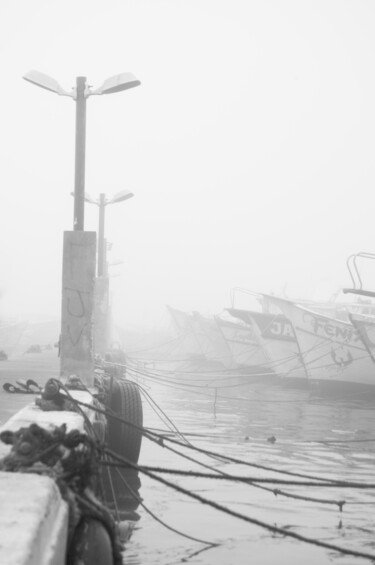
[{"x": 102, "y": 202}]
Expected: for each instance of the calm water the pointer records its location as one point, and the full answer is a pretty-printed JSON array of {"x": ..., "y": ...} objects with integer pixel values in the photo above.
[{"x": 317, "y": 436}]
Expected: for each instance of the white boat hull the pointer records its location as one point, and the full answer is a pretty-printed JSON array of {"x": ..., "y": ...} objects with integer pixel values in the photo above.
[
  {"x": 332, "y": 350},
  {"x": 214, "y": 346},
  {"x": 276, "y": 335},
  {"x": 189, "y": 343},
  {"x": 245, "y": 348}
]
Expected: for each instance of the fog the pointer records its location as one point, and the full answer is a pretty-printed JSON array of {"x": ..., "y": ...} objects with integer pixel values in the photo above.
[{"x": 249, "y": 147}]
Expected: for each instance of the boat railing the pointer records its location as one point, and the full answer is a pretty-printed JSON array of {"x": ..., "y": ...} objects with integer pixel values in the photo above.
[{"x": 356, "y": 276}]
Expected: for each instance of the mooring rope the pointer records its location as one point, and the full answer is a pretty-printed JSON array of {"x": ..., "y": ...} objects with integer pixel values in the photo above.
[
  {"x": 160, "y": 440},
  {"x": 155, "y": 517},
  {"x": 235, "y": 514},
  {"x": 254, "y": 482}
]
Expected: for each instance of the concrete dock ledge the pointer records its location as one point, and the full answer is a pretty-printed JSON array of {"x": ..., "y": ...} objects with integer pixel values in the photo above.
[
  {"x": 33, "y": 516},
  {"x": 32, "y": 414},
  {"x": 33, "y": 520}
]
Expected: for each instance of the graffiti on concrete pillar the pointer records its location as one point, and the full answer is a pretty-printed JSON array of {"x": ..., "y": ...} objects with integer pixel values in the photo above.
[
  {"x": 74, "y": 303},
  {"x": 77, "y": 304}
]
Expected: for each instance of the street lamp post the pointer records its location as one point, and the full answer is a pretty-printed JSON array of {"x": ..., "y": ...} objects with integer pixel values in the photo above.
[
  {"x": 80, "y": 156},
  {"x": 102, "y": 202},
  {"x": 80, "y": 94},
  {"x": 79, "y": 255}
]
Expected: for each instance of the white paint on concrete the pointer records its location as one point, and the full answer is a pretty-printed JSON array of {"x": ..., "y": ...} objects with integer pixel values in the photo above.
[{"x": 33, "y": 520}]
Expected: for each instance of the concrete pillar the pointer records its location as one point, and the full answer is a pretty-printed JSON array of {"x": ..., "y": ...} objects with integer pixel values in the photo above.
[{"x": 76, "y": 346}]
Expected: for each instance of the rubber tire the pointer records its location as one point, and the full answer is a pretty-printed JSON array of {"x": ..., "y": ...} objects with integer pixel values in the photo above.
[
  {"x": 92, "y": 545},
  {"x": 126, "y": 403},
  {"x": 124, "y": 440}
]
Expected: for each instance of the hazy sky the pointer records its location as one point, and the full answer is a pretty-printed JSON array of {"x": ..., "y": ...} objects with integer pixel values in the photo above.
[{"x": 250, "y": 147}]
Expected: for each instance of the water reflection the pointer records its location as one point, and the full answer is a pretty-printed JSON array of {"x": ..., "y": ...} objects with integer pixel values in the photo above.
[{"x": 261, "y": 422}]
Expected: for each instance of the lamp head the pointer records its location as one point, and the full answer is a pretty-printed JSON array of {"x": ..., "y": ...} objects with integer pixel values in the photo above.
[
  {"x": 120, "y": 196},
  {"x": 46, "y": 82},
  {"x": 117, "y": 83}
]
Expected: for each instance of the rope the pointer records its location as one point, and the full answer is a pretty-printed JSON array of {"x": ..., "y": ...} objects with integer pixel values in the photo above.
[
  {"x": 254, "y": 483},
  {"x": 152, "y": 403},
  {"x": 226, "y": 476},
  {"x": 254, "y": 521},
  {"x": 159, "y": 520},
  {"x": 213, "y": 504},
  {"x": 156, "y": 438}
]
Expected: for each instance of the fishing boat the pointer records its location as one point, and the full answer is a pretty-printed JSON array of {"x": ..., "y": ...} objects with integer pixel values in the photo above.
[
  {"x": 276, "y": 335},
  {"x": 244, "y": 346},
  {"x": 212, "y": 341},
  {"x": 362, "y": 317},
  {"x": 190, "y": 344},
  {"x": 332, "y": 350}
]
